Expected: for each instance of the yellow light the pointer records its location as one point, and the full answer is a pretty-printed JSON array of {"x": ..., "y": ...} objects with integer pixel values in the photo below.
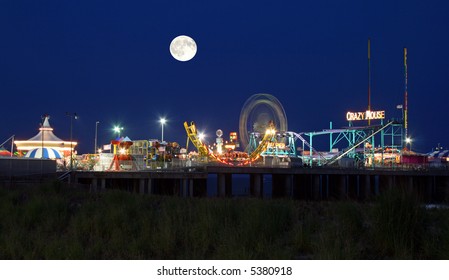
[{"x": 122, "y": 151}]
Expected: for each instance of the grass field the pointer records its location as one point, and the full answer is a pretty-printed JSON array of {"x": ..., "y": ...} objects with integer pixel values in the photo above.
[{"x": 53, "y": 221}]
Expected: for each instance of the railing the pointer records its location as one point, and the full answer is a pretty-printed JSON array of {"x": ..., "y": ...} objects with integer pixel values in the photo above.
[
  {"x": 64, "y": 175},
  {"x": 346, "y": 151}
]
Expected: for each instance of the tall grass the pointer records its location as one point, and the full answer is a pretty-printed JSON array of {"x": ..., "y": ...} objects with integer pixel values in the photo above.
[
  {"x": 398, "y": 220},
  {"x": 341, "y": 234},
  {"x": 53, "y": 221}
]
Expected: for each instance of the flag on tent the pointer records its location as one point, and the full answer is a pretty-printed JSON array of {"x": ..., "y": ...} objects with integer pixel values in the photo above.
[{"x": 4, "y": 152}]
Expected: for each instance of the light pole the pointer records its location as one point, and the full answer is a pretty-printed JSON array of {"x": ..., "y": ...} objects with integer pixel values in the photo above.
[
  {"x": 117, "y": 129},
  {"x": 408, "y": 140},
  {"x": 96, "y": 134},
  {"x": 72, "y": 116},
  {"x": 162, "y": 121}
]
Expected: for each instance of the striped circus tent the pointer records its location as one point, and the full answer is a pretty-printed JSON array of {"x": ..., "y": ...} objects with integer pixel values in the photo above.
[
  {"x": 439, "y": 154},
  {"x": 47, "y": 153}
]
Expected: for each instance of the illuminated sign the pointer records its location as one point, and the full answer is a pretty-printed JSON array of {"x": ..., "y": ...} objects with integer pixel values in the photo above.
[{"x": 363, "y": 116}]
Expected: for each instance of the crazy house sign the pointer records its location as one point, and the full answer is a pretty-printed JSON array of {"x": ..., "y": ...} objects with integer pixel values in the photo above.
[{"x": 364, "y": 116}]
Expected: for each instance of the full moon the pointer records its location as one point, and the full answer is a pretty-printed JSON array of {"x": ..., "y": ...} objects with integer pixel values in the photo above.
[{"x": 183, "y": 48}]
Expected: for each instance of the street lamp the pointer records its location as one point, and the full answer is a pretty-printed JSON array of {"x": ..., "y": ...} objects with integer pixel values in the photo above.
[
  {"x": 162, "y": 121},
  {"x": 96, "y": 134},
  {"x": 72, "y": 116},
  {"x": 117, "y": 129},
  {"x": 408, "y": 140}
]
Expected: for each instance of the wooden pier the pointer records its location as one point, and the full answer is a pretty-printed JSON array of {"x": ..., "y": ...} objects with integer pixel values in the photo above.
[{"x": 298, "y": 183}]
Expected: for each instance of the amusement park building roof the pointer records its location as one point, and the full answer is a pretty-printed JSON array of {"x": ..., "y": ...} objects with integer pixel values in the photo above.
[{"x": 45, "y": 138}]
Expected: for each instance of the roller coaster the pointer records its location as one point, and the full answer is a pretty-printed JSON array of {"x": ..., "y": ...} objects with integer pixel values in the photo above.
[
  {"x": 230, "y": 158},
  {"x": 283, "y": 144},
  {"x": 264, "y": 133}
]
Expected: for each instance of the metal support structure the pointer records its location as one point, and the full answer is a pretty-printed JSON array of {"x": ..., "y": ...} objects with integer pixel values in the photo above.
[
  {"x": 353, "y": 147},
  {"x": 72, "y": 116},
  {"x": 12, "y": 144},
  {"x": 96, "y": 136}
]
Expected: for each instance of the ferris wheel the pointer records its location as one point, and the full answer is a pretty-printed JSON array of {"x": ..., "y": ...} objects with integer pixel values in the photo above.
[{"x": 257, "y": 114}]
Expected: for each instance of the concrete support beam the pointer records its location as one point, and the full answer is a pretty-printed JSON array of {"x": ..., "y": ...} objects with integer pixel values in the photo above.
[
  {"x": 228, "y": 185},
  {"x": 288, "y": 185},
  {"x": 343, "y": 187},
  {"x": 367, "y": 187},
  {"x": 325, "y": 186},
  {"x": 221, "y": 182},
  {"x": 94, "y": 184},
  {"x": 410, "y": 183},
  {"x": 142, "y": 186},
  {"x": 185, "y": 187},
  {"x": 190, "y": 182},
  {"x": 430, "y": 188},
  {"x": 445, "y": 184},
  {"x": 317, "y": 187},
  {"x": 279, "y": 183},
  {"x": 390, "y": 182},
  {"x": 150, "y": 186},
  {"x": 376, "y": 185},
  {"x": 256, "y": 187}
]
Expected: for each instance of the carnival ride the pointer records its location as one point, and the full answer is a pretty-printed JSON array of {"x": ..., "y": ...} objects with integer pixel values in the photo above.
[
  {"x": 261, "y": 117},
  {"x": 122, "y": 160},
  {"x": 257, "y": 113},
  {"x": 264, "y": 124},
  {"x": 229, "y": 157}
]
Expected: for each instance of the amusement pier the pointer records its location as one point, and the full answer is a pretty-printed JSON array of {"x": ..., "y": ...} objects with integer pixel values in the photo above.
[{"x": 264, "y": 159}]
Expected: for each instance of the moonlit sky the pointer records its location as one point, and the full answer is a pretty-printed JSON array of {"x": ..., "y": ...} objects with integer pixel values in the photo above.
[{"x": 109, "y": 61}]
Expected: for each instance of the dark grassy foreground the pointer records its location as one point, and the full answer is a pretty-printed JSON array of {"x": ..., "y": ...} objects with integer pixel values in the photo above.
[{"x": 56, "y": 222}]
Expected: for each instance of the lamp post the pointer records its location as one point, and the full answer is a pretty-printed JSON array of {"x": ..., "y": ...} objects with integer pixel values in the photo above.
[
  {"x": 162, "y": 121},
  {"x": 408, "y": 141},
  {"x": 118, "y": 129},
  {"x": 72, "y": 116},
  {"x": 96, "y": 134}
]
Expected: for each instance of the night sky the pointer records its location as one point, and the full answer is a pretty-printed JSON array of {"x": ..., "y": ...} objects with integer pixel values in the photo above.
[{"x": 109, "y": 61}]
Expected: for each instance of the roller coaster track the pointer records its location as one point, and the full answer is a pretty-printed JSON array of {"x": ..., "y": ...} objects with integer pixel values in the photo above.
[
  {"x": 349, "y": 149},
  {"x": 263, "y": 144},
  {"x": 298, "y": 136},
  {"x": 192, "y": 134}
]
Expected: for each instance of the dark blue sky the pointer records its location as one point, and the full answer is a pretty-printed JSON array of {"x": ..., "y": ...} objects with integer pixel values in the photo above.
[{"x": 109, "y": 61}]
